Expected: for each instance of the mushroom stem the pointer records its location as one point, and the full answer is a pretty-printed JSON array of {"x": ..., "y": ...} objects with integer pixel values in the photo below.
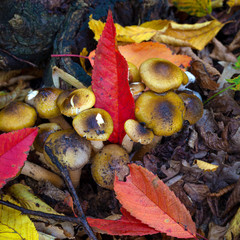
[
  {"x": 60, "y": 120},
  {"x": 75, "y": 176},
  {"x": 41, "y": 174},
  {"x": 97, "y": 145},
  {"x": 127, "y": 143}
]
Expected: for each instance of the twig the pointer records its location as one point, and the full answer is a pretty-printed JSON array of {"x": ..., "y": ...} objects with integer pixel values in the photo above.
[{"x": 71, "y": 189}]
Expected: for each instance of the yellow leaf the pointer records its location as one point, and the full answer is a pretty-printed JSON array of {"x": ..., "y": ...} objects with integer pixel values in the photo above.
[
  {"x": 217, "y": 3},
  {"x": 233, "y": 231},
  {"x": 84, "y": 52},
  {"x": 14, "y": 225},
  {"x": 192, "y": 35},
  {"x": 233, "y": 3},
  {"x": 197, "y": 8},
  {"x": 206, "y": 166},
  {"x": 29, "y": 201}
]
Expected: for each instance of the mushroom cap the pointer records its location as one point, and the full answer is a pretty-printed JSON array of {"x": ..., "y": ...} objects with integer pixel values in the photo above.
[
  {"x": 46, "y": 102},
  {"x": 162, "y": 113},
  {"x": 71, "y": 150},
  {"x": 137, "y": 132},
  {"x": 77, "y": 101},
  {"x": 160, "y": 75},
  {"x": 194, "y": 107},
  {"x": 185, "y": 78},
  {"x": 112, "y": 158},
  {"x": 94, "y": 124},
  {"x": 44, "y": 131},
  {"x": 17, "y": 115},
  {"x": 63, "y": 95},
  {"x": 133, "y": 73},
  {"x": 136, "y": 87}
]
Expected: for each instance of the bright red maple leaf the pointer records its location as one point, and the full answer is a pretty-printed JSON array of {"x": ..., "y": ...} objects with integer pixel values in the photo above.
[
  {"x": 13, "y": 152},
  {"x": 110, "y": 81}
]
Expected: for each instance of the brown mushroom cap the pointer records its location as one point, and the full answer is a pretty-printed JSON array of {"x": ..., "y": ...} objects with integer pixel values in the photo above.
[
  {"x": 162, "y": 113},
  {"x": 94, "y": 124},
  {"x": 44, "y": 131},
  {"x": 160, "y": 75},
  {"x": 136, "y": 87},
  {"x": 185, "y": 78},
  {"x": 112, "y": 158},
  {"x": 137, "y": 132},
  {"x": 46, "y": 102},
  {"x": 63, "y": 95},
  {"x": 194, "y": 107},
  {"x": 17, "y": 115},
  {"x": 77, "y": 101},
  {"x": 133, "y": 73}
]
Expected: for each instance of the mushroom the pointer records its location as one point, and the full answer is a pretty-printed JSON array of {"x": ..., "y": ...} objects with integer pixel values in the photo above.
[
  {"x": 133, "y": 73},
  {"x": 162, "y": 113},
  {"x": 136, "y": 88},
  {"x": 136, "y": 132},
  {"x": 44, "y": 131},
  {"x": 17, "y": 115},
  {"x": 194, "y": 107},
  {"x": 112, "y": 159},
  {"x": 94, "y": 124},
  {"x": 71, "y": 150},
  {"x": 77, "y": 101},
  {"x": 160, "y": 75},
  {"x": 63, "y": 95}
]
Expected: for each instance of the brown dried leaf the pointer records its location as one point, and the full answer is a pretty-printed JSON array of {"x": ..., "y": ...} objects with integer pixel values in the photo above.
[
  {"x": 216, "y": 232},
  {"x": 197, "y": 192},
  {"x": 234, "y": 198},
  {"x": 235, "y": 43},
  {"x": 222, "y": 191},
  {"x": 220, "y": 52}
]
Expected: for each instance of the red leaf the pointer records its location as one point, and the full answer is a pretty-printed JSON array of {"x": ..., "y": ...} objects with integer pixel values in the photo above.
[
  {"x": 13, "y": 152},
  {"x": 126, "y": 225},
  {"x": 148, "y": 199},
  {"x": 110, "y": 82}
]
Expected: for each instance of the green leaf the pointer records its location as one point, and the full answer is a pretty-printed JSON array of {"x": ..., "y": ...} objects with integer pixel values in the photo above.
[
  {"x": 199, "y": 8},
  {"x": 236, "y": 82},
  {"x": 237, "y": 64}
]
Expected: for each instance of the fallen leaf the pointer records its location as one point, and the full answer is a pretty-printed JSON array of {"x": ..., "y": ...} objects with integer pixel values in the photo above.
[
  {"x": 194, "y": 7},
  {"x": 233, "y": 231},
  {"x": 13, "y": 148},
  {"x": 126, "y": 225},
  {"x": 206, "y": 166},
  {"x": 196, "y": 35},
  {"x": 197, "y": 192},
  {"x": 13, "y": 224},
  {"x": 110, "y": 82},
  {"x": 233, "y": 3},
  {"x": 148, "y": 199},
  {"x": 216, "y": 232},
  {"x": 235, "y": 43},
  {"x": 137, "y": 53}
]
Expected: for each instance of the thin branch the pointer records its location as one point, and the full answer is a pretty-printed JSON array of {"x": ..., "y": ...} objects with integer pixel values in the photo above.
[{"x": 65, "y": 174}]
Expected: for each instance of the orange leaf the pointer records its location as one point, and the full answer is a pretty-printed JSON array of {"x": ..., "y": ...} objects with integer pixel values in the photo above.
[
  {"x": 137, "y": 53},
  {"x": 126, "y": 225},
  {"x": 148, "y": 199}
]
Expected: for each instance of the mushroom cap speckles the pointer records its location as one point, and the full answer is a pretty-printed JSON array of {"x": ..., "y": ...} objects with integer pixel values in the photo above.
[
  {"x": 194, "y": 107},
  {"x": 160, "y": 75},
  {"x": 137, "y": 132},
  {"x": 108, "y": 161},
  {"x": 71, "y": 150},
  {"x": 161, "y": 113},
  {"x": 77, "y": 101},
  {"x": 46, "y": 102},
  {"x": 95, "y": 124},
  {"x": 17, "y": 115}
]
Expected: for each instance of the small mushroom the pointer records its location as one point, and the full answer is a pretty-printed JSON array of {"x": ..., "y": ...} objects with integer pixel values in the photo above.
[
  {"x": 63, "y": 95},
  {"x": 44, "y": 131},
  {"x": 17, "y": 115},
  {"x": 136, "y": 88},
  {"x": 194, "y": 107},
  {"x": 77, "y": 101},
  {"x": 162, "y": 113},
  {"x": 112, "y": 159},
  {"x": 71, "y": 150},
  {"x": 133, "y": 73},
  {"x": 160, "y": 75},
  {"x": 94, "y": 124}
]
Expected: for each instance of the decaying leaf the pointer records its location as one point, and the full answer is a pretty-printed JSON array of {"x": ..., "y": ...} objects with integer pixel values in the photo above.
[
  {"x": 233, "y": 232},
  {"x": 148, "y": 199},
  {"x": 216, "y": 232},
  {"x": 13, "y": 148},
  {"x": 110, "y": 82},
  {"x": 206, "y": 166},
  {"x": 196, "y": 35},
  {"x": 197, "y": 192},
  {"x": 14, "y": 225},
  {"x": 195, "y": 7}
]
